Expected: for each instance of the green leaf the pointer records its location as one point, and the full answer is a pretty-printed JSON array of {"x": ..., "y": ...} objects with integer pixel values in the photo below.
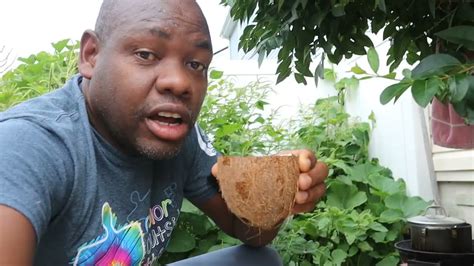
[
  {"x": 372, "y": 118},
  {"x": 432, "y": 5},
  {"x": 338, "y": 256},
  {"x": 389, "y": 261},
  {"x": 261, "y": 105},
  {"x": 391, "y": 75},
  {"x": 373, "y": 58},
  {"x": 303, "y": 69},
  {"x": 409, "y": 206},
  {"x": 378, "y": 237},
  {"x": 283, "y": 75},
  {"x": 364, "y": 246},
  {"x": 330, "y": 75},
  {"x": 261, "y": 57},
  {"x": 260, "y": 120},
  {"x": 434, "y": 64},
  {"x": 406, "y": 73},
  {"x": 391, "y": 216},
  {"x": 378, "y": 227},
  {"x": 458, "y": 87},
  {"x": 384, "y": 186},
  {"x": 319, "y": 71},
  {"x": 381, "y": 5},
  {"x": 59, "y": 46},
  {"x": 204, "y": 245},
  {"x": 300, "y": 78},
  {"x": 347, "y": 83},
  {"x": 228, "y": 129},
  {"x": 423, "y": 91},
  {"x": 310, "y": 229},
  {"x": 284, "y": 65},
  {"x": 181, "y": 241},
  {"x": 393, "y": 91},
  {"x": 463, "y": 35},
  {"x": 361, "y": 172},
  {"x": 187, "y": 206},
  {"x": 216, "y": 74},
  {"x": 358, "y": 70},
  {"x": 280, "y": 4},
  {"x": 198, "y": 224},
  {"x": 344, "y": 196},
  {"x": 338, "y": 10}
]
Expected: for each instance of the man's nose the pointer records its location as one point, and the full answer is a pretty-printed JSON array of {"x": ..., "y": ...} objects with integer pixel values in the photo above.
[{"x": 172, "y": 77}]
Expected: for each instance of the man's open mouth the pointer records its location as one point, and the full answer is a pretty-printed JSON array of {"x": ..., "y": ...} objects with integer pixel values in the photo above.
[
  {"x": 167, "y": 118},
  {"x": 171, "y": 124}
]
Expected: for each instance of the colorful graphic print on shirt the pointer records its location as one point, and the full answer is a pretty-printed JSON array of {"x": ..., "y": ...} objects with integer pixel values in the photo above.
[{"x": 136, "y": 243}]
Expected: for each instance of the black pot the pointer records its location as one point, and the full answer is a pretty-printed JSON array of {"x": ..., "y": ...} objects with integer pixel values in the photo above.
[{"x": 437, "y": 232}]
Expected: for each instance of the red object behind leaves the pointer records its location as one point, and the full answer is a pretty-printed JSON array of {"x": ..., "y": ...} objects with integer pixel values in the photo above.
[{"x": 449, "y": 129}]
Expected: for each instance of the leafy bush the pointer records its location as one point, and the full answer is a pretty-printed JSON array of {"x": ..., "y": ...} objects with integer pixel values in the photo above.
[
  {"x": 237, "y": 118},
  {"x": 364, "y": 211},
  {"x": 39, "y": 73}
]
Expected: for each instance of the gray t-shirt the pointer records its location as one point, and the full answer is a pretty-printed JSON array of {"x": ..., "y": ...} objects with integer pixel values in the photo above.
[{"x": 89, "y": 203}]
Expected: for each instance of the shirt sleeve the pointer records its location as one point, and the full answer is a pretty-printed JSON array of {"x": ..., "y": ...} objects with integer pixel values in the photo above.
[
  {"x": 33, "y": 172},
  {"x": 201, "y": 185}
]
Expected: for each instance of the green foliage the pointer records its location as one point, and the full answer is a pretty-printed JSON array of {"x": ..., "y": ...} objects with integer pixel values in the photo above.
[
  {"x": 365, "y": 209},
  {"x": 299, "y": 29},
  {"x": 438, "y": 34},
  {"x": 236, "y": 119},
  {"x": 38, "y": 74},
  {"x": 438, "y": 75}
]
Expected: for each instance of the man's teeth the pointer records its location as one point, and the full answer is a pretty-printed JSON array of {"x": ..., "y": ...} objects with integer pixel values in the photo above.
[
  {"x": 167, "y": 124},
  {"x": 172, "y": 115}
]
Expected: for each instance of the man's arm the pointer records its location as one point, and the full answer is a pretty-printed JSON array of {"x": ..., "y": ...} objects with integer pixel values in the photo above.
[
  {"x": 17, "y": 238},
  {"x": 310, "y": 189}
]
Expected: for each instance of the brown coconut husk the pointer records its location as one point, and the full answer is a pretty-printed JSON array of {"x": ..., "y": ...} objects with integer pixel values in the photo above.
[{"x": 259, "y": 190}]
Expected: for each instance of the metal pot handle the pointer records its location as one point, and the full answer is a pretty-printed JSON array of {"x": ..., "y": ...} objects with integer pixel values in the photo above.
[{"x": 438, "y": 210}]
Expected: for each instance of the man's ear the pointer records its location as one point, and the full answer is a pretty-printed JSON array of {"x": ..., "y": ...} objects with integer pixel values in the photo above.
[{"x": 88, "y": 53}]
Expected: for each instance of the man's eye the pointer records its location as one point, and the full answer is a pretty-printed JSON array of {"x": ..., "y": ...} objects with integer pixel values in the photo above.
[
  {"x": 145, "y": 55},
  {"x": 197, "y": 66}
]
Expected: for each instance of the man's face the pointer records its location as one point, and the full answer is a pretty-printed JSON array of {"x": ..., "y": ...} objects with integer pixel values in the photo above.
[{"x": 150, "y": 79}]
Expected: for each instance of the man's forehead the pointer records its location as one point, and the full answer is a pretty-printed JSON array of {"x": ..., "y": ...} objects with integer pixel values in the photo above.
[
  {"x": 171, "y": 13},
  {"x": 158, "y": 8}
]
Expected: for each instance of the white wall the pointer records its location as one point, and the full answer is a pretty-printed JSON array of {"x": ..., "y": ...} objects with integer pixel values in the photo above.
[{"x": 399, "y": 139}]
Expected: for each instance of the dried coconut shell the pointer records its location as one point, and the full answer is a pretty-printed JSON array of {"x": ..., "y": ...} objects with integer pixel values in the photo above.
[{"x": 259, "y": 190}]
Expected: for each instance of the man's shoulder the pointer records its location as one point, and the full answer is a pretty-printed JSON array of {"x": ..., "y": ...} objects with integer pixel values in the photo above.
[
  {"x": 56, "y": 117},
  {"x": 62, "y": 103}
]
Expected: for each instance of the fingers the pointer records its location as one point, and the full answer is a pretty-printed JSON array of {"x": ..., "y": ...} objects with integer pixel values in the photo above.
[
  {"x": 315, "y": 176},
  {"x": 306, "y": 159},
  {"x": 306, "y": 200},
  {"x": 311, "y": 188}
]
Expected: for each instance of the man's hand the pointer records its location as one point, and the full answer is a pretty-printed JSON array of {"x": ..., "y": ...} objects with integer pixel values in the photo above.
[
  {"x": 310, "y": 189},
  {"x": 311, "y": 185}
]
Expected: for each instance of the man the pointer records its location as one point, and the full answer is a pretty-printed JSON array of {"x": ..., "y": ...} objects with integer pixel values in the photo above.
[{"x": 95, "y": 172}]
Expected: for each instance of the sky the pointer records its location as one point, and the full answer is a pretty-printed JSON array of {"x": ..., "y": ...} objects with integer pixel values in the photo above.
[{"x": 30, "y": 26}]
